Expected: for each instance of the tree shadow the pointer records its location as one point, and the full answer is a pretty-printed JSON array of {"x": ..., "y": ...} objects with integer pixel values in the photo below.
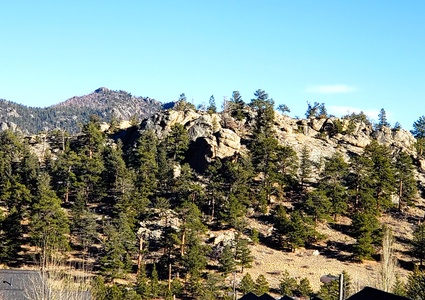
[
  {"x": 343, "y": 228},
  {"x": 336, "y": 250}
]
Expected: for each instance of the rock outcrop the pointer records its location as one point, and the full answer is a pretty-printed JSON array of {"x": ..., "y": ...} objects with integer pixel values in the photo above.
[
  {"x": 220, "y": 136},
  {"x": 203, "y": 129}
]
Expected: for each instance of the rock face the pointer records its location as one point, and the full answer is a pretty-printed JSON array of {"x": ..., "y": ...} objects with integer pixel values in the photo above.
[
  {"x": 220, "y": 136},
  {"x": 208, "y": 138},
  {"x": 9, "y": 126}
]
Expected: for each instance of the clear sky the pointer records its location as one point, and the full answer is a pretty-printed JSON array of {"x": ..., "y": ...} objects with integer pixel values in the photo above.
[{"x": 350, "y": 55}]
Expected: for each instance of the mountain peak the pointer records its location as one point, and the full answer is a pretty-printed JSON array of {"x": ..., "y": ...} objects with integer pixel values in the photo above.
[{"x": 102, "y": 90}]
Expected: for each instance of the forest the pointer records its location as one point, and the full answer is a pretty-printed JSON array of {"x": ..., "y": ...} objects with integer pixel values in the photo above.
[{"x": 80, "y": 204}]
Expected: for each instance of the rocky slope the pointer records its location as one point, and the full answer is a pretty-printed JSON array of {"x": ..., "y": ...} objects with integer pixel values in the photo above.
[
  {"x": 220, "y": 136},
  {"x": 71, "y": 113}
]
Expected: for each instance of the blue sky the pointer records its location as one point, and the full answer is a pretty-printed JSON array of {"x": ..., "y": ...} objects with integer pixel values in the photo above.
[{"x": 350, "y": 55}]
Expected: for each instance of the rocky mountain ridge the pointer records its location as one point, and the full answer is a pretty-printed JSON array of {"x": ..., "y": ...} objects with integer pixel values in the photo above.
[
  {"x": 225, "y": 136},
  {"x": 70, "y": 114}
]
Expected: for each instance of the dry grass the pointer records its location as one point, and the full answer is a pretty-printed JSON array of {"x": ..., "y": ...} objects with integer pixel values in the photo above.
[{"x": 303, "y": 263}]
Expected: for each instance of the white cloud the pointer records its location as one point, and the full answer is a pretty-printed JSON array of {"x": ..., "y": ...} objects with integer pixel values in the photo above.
[{"x": 330, "y": 89}]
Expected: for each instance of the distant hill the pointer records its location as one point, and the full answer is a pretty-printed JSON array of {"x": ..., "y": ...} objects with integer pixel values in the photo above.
[{"x": 76, "y": 110}]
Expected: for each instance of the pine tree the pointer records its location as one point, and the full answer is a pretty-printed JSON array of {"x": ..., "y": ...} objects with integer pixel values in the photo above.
[
  {"x": 283, "y": 108},
  {"x": 287, "y": 284},
  {"x": 399, "y": 287},
  {"x": 382, "y": 176},
  {"x": 382, "y": 119},
  {"x": 261, "y": 285},
  {"x": 192, "y": 251},
  {"x": 367, "y": 232},
  {"x": 297, "y": 231},
  {"x": 317, "y": 205},
  {"x": 418, "y": 243},
  {"x": 146, "y": 170},
  {"x": 237, "y": 105},
  {"x": 332, "y": 183},
  {"x": 177, "y": 142},
  {"x": 419, "y": 128},
  {"x": 405, "y": 179},
  {"x": 119, "y": 248},
  {"x": 155, "y": 288},
  {"x": 212, "y": 108},
  {"x": 415, "y": 286},
  {"x": 312, "y": 110},
  {"x": 212, "y": 287},
  {"x": 243, "y": 253},
  {"x": 305, "y": 166},
  {"x": 64, "y": 175},
  {"x": 247, "y": 284},
  {"x": 304, "y": 288},
  {"x": 84, "y": 228},
  {"x": 48, "y": 222},
  {"x": 226, "y": 261},
  {"x": 143, "y": 287},
  {"x": 11, "y": 235},
  {"x": 330, "y": 290}
]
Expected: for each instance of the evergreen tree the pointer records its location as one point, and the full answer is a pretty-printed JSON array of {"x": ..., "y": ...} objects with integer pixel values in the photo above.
[
  {"x": 305, "y": 166},
  {"x": 143, "y": 287},
  {"x": 312, "y": 110},
  {"x": 177, "y": 142},
  {"x": 415, "y": 286},
  {"x": 286, "y": 165},
  {"x": 237, "y": 105},
  {"x": 330, "y": 290},
  {"x": 11, "y": 235},
  {"x": 304, "y": 288},
  {"x": 419, "y": 128},
  {"x": 119, "y": 248},
  {"x": 264, "y": 108},
  {"x": 93, "y": 138},
  {"x": 399, "y": 287},
  {"x": 261, "y": 285},
  {"x": 418, "y": 243},
  {"x": 367, "y": 232},
  {"x": 214, "y": 189},
  {"x": 287, "y": 284},
  {"x": 297, "y": 231},
  {"x": 212, "y": 287},
  {"x": 212, "y": 108},
  {"x": 48, "y": 222},
  {"x": 182, "y": 103},
  {"x": 283, "y": 108},
  {"x": 155, "y": 288},
  {"x": 322, "y": 113},
  {"x": 247, "y": 284},
  {"x": 64, "y": 175},
  {"x": 227, "y": 263},
  {"x": 382, "y": 119},
  {"x": 317, "y": 205},
  {"x": 84, "y": 227},
  {"x": 382, "y": 176},
  {"x": 192, "y": 251},
  {"x": 98, "y": 288},
  {"x": 243, "y": 253},
  {"x": 333, "y": 184},
  {"x": 146, "y": 170},
  {"x": 405, "y": 179}
]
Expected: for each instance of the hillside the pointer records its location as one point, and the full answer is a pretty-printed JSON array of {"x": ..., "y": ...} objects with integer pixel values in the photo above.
[
  {"x": 187, "y": 197},
  {"x": 70, "y": 114}
]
